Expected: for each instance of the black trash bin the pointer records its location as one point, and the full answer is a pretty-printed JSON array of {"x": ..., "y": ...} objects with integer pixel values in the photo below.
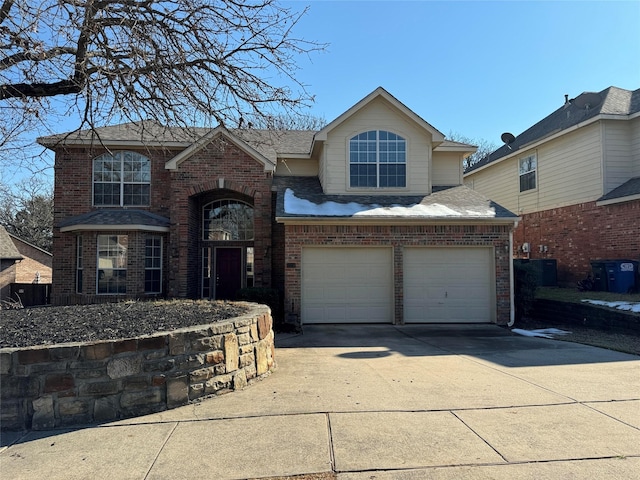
[{"x": 600, "y": 276}]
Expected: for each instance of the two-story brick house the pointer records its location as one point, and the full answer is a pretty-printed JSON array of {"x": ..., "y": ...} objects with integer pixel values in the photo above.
[{"x": 365, "y": 220}]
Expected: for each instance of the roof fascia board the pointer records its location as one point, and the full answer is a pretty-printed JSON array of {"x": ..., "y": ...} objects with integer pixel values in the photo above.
[
  {"x": 111, "y": 143},
  {"x": 101, "y": 228},
  {"x": 612, "y": 201},
  {"x": 294, "y": 156},
  {"x": 396, "y": 221},
  {"x": 537, "y": 143},
  {"x": 199, "y": 144},
  {"x": 380, "y": 92}
]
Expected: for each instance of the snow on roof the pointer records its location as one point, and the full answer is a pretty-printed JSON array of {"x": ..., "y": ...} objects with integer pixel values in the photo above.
[{"x": 299, "y": 206}]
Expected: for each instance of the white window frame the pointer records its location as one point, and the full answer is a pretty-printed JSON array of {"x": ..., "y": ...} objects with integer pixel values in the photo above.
[
  {"x": 79, "y": 264},
  {"x": 156, "y": 261},
  {"x": 530, "y": 171},
  {"x": 124, "y": 178},
  {"x": 227, "y": 228},
  {"x": 117, "y": 256},
  {"x": 399, "y": 140}
]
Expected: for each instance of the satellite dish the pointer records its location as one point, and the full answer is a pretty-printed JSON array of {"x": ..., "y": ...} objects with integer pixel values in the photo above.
[
  {"x": 587, "y": 100},
  {"x": 507, "y": 138}
]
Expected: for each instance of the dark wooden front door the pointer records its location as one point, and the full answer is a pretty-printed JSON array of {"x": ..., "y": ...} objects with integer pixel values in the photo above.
[{"x": 228, "y": 272}]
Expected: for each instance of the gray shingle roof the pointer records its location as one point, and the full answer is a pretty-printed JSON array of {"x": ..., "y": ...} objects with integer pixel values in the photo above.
[
  {"x": 629, "y": 188},
  {"x": 152, "y": 133},
  {"x": 115, "y": 217},
  {"x": 614, "y": 101},
  {"x": 8, "y": 250},
  {"x": 458, "y": 203}
]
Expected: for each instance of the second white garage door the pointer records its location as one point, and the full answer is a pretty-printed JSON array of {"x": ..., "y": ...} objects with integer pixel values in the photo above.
[
  {"x": 450, "y": 285},
  {"x": 347, "y": 285}
]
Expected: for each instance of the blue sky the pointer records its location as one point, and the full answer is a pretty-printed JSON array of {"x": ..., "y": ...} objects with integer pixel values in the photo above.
[{"x": 475, "y": 68}]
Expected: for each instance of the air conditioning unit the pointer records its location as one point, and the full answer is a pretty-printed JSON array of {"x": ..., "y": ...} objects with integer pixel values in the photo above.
[{"x": 526, "y": 247}]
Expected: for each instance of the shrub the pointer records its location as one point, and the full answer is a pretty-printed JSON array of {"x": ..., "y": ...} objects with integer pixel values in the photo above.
[
  {"x": 266, "y": 296},
  {"x": 525, "y": 280}
]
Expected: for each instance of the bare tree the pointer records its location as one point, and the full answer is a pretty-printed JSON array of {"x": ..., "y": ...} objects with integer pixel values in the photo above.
[
  {"x": 485, "y": 147},
  {"x": 179, "y": 62},
  {"x": 27, "y": 212}
]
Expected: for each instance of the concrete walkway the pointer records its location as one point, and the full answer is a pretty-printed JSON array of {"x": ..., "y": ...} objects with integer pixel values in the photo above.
[{"x": 378, "y": 402}]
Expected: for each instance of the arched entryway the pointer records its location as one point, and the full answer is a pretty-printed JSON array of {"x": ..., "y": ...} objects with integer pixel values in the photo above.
[{"x": 227, "y": 246}]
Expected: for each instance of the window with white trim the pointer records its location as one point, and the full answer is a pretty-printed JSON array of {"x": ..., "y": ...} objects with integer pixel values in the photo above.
[
  {"x": 112, "y": 264},
  {"x": 121, "y": 179},
  {"x": 153, "y": 265},
  {"x": 528, "y": 169},
  {"x": 378, "y": 159},
  {"x": 227, "y": 220},
  {"x": 79, "y": 266}
]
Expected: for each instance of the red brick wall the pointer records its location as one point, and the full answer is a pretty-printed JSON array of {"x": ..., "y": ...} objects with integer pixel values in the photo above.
[
  {"x": 298, "y": 236},
  {"x": 220, "y": 170},
  {"x": 35, "y": 260},
  {"x": 577, "y": 234}
]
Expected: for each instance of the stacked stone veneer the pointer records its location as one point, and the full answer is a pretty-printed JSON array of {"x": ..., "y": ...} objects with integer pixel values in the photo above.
[{"x": 69, "y": 384}]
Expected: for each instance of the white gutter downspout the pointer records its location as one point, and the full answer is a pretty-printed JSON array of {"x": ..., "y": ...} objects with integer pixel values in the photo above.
[{"x": 512, "y": 310}]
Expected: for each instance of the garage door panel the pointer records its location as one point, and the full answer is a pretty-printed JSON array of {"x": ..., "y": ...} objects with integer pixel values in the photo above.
[
  {"x": 347, "y": 285},
  {"x": 449, "y": 285}
]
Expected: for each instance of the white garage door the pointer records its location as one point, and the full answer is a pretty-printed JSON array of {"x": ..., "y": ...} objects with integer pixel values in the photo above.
[
  {"x": 347, "y": 285},
  {"x": 451, "y": 285}
]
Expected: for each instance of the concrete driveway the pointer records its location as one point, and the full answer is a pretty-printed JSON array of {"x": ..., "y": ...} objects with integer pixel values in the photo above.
[{"x": 380, "y": 402}]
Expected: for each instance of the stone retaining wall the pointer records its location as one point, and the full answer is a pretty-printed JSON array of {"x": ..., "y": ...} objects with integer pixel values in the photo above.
[
  {"x": 70, "y": 384},
  {"x": 587, "y": 315}
]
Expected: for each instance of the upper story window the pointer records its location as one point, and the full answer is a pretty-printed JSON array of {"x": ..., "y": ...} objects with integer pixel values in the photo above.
[
  {"x": 227, "y": 220},
  {"x": 378, "y": 159},
  {"x": 121, "y": 179},
  {"x": 528, "y": 169}
]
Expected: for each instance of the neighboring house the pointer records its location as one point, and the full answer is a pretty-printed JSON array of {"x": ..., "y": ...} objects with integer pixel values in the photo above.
[
  {"x": 364, "y": 221},
  {"x": 22, "y": 263},
  {"x": 36, "y": 265},
  {"x": 574, "y": 179},
  {"x": 9, "y": 259}
]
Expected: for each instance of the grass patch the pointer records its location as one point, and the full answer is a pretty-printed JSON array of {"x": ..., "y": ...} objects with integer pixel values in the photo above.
[{"x": 573, "y": 295}]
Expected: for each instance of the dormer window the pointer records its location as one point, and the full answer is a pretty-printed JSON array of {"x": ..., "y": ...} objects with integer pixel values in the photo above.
[
  {"x": 378, "y": 159},
  {"x": 121, "y": 179}
]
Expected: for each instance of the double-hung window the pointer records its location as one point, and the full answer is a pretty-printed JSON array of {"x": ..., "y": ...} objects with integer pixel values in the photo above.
[
  {"x": 528, "y": 169},
  {"x": 153, "y": 265},
  {"x": 112, "y": 264},
  {"x": 378, "y": 159},
  {"x": 121, "y": 179}
]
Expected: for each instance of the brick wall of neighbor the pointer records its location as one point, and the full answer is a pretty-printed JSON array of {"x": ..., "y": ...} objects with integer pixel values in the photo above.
[
  {"x": 298, "y": 236},
  {"x": 35, "y": 260},
  {"x": 81, "y": 383},
  {"x": 577, "y": 234}
]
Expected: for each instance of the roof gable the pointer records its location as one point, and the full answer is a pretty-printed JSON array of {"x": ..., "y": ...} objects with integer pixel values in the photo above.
[
  {"x": 380, "y": 93},
  {"x": 267, "y": 157}
]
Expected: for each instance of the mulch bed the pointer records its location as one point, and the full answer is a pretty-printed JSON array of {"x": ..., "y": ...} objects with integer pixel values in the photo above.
[{"x": 107, "y": 321}]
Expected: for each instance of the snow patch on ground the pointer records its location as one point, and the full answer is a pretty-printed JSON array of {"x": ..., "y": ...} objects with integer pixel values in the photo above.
[
  {"x": 540, "y": 332},
  {"x": 626, "y": 306}
]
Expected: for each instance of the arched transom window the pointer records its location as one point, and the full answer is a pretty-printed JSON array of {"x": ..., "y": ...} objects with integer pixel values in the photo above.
[
  {"x": 227, "y": 220},
  {"x": 121, "y": 179},
  {"x": 378, "y": 159}
]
